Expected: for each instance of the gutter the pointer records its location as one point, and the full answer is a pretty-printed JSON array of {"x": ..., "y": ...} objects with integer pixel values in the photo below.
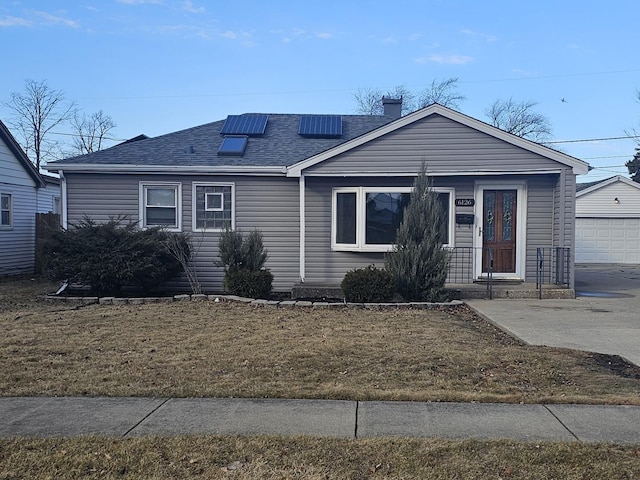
[{"x": 173, "y": 169}]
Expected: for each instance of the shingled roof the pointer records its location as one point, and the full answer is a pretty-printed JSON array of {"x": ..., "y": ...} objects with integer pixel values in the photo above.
[{"x": 280, "y": 145}]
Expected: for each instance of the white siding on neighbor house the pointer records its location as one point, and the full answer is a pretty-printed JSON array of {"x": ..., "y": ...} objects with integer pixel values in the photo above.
[
  {"x": 12, "y": 172},
  {"x": 446, "y": 146},
  {"x": 46, "y": 198},
  {"x": 267, "y": 203},
  {"x": 17, "y": 244},
  {"x": 601, "y": 202}
]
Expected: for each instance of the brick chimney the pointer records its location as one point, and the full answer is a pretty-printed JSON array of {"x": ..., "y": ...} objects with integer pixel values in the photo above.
[{"x": 392, "y": 106}]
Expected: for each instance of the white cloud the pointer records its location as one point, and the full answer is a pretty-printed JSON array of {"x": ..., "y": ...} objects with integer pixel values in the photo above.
[
  {"x": 297, "y": 32},
  {"x": 50, "y": 19},
  {"x": 140, "y": 2},
  {"x": 189, "y": 7},
  {"x": 484, "y": 36},
  {"x": 14, "y": 22},
  {"x": 414, "y": 36},
  {"x": 324, "y": 35},
  {"x": 445, "y": 59},
  {"x": 389, "y": 40}
]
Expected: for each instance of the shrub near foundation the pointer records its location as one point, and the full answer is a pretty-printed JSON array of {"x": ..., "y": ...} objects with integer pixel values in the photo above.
[
  {"x": 246, "y": 283},
  {"x": 368, "y": 285},
  {"x": 243, "y": 259}
]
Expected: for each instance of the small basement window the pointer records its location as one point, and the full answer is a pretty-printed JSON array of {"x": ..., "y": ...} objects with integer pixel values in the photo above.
[{"x": 233, "y": 145}]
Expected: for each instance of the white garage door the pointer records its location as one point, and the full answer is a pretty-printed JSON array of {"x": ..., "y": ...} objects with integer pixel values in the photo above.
[{"x": 608, "y": 240}]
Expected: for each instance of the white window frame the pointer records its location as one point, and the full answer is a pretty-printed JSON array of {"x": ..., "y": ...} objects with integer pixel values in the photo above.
[
  {"x": 214, "y": 209},
  {"x": 361, "y": 200},
  {"x": 194, "y": 206},
  {"x": 144, "y": 186},
  {"x": 7, "y": 226}
]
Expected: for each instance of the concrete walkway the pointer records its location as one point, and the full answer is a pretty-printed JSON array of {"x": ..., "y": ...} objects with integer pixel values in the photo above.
[
  {"x": 604, "y": 317},
  {"x": 133, "y": 417}
]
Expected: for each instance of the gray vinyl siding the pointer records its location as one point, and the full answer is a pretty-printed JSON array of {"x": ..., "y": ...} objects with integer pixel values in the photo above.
[
  {"x": 446, "y": 146},
  {"x": 17, "y": 243},
  {"x": 326, "y": 266},
  {"x": 267, "y": 203}
]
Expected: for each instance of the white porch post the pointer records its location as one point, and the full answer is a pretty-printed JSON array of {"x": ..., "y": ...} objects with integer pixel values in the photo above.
[{"x": 302, "y": 228}]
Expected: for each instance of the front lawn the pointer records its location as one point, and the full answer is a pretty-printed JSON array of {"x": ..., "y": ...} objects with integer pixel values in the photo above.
[{"x": 208, "y": 349}]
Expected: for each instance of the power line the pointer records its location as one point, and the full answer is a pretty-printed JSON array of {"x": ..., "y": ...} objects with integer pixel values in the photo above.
[{"x": 595, "y": 139}]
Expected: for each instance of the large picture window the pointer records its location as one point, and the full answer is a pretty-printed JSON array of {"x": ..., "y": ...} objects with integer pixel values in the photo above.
[
  {"x": 160, "y": 205},
  {"x": 367, "y": 218},
  {"x": 213, "y": 206},
  {"x": 6, "y": 210}
]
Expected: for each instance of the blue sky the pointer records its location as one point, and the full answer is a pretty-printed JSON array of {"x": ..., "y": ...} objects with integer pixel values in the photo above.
[{"x": 157, "y": 66}]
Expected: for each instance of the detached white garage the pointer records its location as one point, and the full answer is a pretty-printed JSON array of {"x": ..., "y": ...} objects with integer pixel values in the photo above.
[{"x": 608, "y": 222}]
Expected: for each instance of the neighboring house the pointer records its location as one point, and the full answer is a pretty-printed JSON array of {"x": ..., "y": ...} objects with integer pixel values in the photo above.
[
  {"x": 49, "y": 200},
  {"x": 327, "y": 191},
  {"x": 20, "y": 184},
  {"x": 608, "y": 222}
]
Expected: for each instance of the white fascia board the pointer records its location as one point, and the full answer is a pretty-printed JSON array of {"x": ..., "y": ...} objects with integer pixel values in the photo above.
[
  {"x": 448, "y": 173},
  {"x": 579, "y": 167},
  {"x": 173, "y": 169},
  {"x": 608, "y": 181}
]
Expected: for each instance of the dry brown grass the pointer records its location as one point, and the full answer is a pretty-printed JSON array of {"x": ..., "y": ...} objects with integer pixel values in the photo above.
[
  {"x": 243, "y": 458},
  {"x": 202, "y": 349}
]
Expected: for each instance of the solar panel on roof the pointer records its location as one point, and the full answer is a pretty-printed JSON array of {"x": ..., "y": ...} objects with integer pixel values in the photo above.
[
  {"x": 233, "y": 145},
  {"x": 320, "y": 126},
  {"x": 244, "y": 125}
]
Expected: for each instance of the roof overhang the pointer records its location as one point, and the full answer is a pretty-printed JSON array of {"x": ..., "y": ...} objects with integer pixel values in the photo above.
[
  {"x": 166, "y": 169},
  {"x": 579, "y": 167}
]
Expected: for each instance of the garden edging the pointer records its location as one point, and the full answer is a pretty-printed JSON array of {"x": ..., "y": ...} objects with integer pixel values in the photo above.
[{"x": 235, "y": 298}]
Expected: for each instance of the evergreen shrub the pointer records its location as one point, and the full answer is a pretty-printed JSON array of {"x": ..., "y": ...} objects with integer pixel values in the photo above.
[
  {"x": 243, "y": 259},
  {"x": 112, "y": 255},
  {"x": 368, "y": 285}
]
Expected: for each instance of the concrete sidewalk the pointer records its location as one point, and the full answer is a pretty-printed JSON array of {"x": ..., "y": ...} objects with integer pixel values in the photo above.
[{"x": 132, "y": 417}]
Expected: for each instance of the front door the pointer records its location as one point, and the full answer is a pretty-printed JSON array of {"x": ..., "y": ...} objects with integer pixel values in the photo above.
[{"x": 499, "y": 230}]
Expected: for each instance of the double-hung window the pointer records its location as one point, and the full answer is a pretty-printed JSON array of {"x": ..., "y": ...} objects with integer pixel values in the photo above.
[
  {"x": 6, "y": 210},
  {"x": 160, "y": 205},
  {"x": 213, "y": 206},
  {"x": 367, "y": 218}
]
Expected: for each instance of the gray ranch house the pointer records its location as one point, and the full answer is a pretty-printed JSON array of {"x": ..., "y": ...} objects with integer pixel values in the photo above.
[{"x": 327, "y": 191}]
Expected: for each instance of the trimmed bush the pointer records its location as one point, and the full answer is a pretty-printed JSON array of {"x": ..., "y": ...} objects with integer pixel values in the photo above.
[
  {"x": 112, "y": 255},
  {"x": 246, "y": 283},
  {"x": 368, "y": 285}
]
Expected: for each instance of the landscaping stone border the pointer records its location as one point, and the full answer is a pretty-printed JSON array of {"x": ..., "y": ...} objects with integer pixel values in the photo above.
[{"x": 235, "y": 298}]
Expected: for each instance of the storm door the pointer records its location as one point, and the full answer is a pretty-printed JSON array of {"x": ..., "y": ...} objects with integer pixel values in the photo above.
[{"x": 499, "y": 230}]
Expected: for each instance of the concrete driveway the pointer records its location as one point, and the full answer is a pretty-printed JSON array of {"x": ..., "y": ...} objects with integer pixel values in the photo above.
[{"x": 604, "y": 317}]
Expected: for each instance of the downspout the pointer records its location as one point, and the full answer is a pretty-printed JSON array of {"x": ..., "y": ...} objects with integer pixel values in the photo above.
[
  {"x": 63, "y": 199},
  {"x": 302, "y": 228}
]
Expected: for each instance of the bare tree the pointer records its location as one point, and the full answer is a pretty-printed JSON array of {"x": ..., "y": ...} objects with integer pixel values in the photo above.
[
  {"x": 36, "y": 112},
  {"x": 445, "y": 92},
  {"x": 90, "y": 131},
  {"x": 369, "y": 100},
  {"x": 519, "y": 119},
  {"x": 634, "y": 132}
]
